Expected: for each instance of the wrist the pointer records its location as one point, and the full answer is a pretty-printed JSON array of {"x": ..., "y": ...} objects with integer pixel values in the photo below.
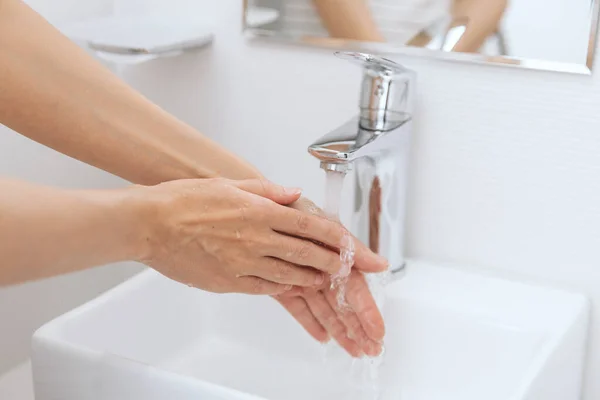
[{"x": 127, "y": 212}]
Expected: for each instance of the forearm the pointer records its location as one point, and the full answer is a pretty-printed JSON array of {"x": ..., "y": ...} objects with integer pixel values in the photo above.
[
  {"x": 54, "y": 93},
  {"x": 348, "y": 19},
  {"x": 483, "y": 19},
  {"x": 46, "y": 231}
]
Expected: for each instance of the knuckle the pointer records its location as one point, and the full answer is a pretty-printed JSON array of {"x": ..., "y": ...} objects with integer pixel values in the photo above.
[
  {"x": 336, "y": 232},
  {"x": 259, "y": 242},
  {"x": 218, "y": 181},
  {"x": 309, "y": 278},
  {"x": 283, "y": 270},
  {"x": 266, "y": 186},
  {"x": 334, "y": 261},
  {"x": 303, "y": 223},
  {"x": 303, "y": 252},
  {"x": 259, "y": 207}
]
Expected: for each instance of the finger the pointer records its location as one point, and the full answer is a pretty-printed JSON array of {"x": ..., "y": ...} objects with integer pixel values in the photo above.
[
  {"x": 361, "y": 300},
  {"x": 304, "y": 252},
  {"x": 328, "y": 232},
  {"x": 255, "y": 285},
  {"x": 298, "y": 308},
  {"x": 264, "y": 188},
  {"x": 328, "y": 319},
  {"x": 367, "y": 261},
  {"x": 294, "y": 292},
  {"x": 353, "y": 325},
  {"x": 280, "y": 271}
]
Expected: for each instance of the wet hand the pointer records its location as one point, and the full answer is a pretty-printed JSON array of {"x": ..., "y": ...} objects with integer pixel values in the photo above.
[
  {"x": 359, "y": 329},
  {"x": 237, "y": 236}
]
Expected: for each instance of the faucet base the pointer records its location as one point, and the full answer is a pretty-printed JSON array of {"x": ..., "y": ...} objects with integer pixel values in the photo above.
[{"x": 398, "y": 271}]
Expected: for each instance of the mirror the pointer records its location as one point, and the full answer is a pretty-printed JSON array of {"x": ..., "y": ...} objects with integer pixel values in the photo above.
[{"x": 556, "y": 35}]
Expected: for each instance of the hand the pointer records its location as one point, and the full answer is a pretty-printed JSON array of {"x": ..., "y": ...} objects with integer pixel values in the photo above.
[
  {"x": 235, "y": 236},
  {"x": 359, "y": 329}
]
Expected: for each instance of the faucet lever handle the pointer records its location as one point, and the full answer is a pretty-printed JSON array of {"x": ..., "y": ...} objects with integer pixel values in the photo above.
[
  {"x": 385, "y": 95},
  {"x": 373, "y": 63}
]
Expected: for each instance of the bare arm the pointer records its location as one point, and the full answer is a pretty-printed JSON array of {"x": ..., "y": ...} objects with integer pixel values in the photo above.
[
  {"x": 348, "y": 19},
  {"x": 172, "y": 227},
  {"x": 483, "y": 19},
  {"x": 46, "y": 231},
  {"x": 54, "y": 93}
]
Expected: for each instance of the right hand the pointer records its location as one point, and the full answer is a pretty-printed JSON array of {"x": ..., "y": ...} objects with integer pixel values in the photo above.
[
  {"x": 237, "y": 236},
  {"x": 359, "y": 329}
]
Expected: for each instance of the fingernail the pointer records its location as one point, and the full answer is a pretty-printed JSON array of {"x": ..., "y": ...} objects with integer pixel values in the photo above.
[
  {"x": 319, "y": 279},
  {"x": 383, "y": 261},
  {"x": 292, "y": 191}
]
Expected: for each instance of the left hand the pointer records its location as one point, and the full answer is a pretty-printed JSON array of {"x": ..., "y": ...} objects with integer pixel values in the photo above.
[{"x": 359, "y": 329}]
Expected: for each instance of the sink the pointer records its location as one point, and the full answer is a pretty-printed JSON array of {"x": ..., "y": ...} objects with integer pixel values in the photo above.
[{"x": 451, "y": 335}]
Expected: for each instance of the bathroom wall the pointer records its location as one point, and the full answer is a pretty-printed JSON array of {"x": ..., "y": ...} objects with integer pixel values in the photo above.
[
  {"x": 506, "y": 165},
  {"x": 506, "y": 162},
  {"x": 24, "y": 308}
]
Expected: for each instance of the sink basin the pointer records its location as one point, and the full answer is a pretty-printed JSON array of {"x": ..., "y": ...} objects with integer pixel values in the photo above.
[{"x": 451, "y": 335}]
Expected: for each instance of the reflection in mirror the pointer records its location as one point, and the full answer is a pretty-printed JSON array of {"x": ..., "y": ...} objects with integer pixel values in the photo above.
[{"x": 545, "y": 34}]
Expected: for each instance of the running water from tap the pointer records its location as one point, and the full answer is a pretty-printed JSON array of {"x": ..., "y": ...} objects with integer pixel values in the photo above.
[
  {"x": 334, "y": 182},
  {"x": 333, "y": 193},
  {"x": 364, "y": 372}
]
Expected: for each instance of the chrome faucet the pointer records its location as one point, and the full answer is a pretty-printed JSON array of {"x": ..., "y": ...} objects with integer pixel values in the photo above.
[{"x": 375, "y": 145}]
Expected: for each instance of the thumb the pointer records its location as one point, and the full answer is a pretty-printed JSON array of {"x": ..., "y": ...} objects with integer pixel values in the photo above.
[{"x": 267, "y": 189}]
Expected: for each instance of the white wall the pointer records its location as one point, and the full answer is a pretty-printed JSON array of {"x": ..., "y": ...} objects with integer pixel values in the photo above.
[
  {"x": 24, "y": 308},
  {"x": 506, "y": 168}
]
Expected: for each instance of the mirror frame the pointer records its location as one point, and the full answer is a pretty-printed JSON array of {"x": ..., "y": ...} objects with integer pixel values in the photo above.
[{"x": 390, "y": 49}]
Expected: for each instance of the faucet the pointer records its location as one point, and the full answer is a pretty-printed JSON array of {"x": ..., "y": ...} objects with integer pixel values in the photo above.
[{"x": 375, "y": 145}]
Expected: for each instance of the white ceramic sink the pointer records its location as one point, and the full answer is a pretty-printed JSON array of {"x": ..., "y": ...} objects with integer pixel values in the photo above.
[{"x": 451, "y": 335}]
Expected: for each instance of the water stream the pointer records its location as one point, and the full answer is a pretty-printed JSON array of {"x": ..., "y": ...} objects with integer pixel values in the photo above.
[
  {"x": 362, "y": 372},
  {"x": 333, "y": 192}
]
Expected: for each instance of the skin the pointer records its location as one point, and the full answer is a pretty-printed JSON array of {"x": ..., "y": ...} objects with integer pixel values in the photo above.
[
  {"x": 352, "y": 19},
  {"x": 240, "y": 232},
  {"x": 483, "y": 16},
  {"x": 52, "y": 92},
  {"x": 348, "y": 19}
]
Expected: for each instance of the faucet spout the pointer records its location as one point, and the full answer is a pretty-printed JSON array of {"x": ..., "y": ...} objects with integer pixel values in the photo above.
[
  {"x": 375, "y": 145},
  {"x": 339, "y": 148}
]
